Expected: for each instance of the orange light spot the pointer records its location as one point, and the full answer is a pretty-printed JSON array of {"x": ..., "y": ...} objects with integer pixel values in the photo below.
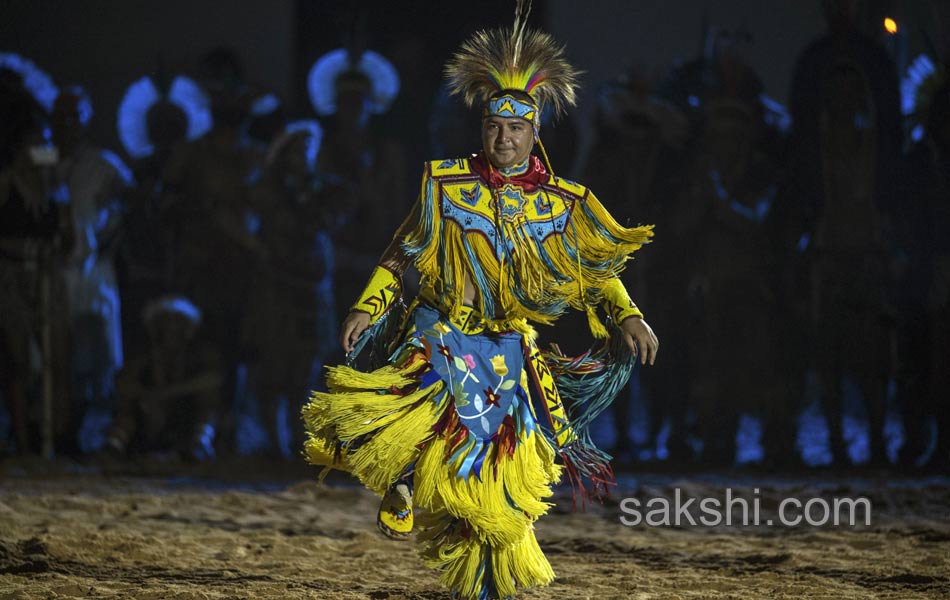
[{"x": 890, "y": 25}]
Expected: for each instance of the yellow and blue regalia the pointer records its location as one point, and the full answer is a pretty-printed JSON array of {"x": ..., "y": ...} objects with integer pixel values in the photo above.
[{"x": 465, "y": 407}]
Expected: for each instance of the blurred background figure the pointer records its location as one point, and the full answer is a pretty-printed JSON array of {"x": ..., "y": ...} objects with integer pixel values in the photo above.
[
  {"x": 846, "y": 146},
  {"x": 922, "y": 287},
  {"x": 167, "y": 397},
  {"x": 731, "y": 189},
  {"x": 96, "y": 181},
  {"x": 208, "y": 206},
  {"x": 290, "y": 324},
  {"x": 156, "y": 116},
  {"x": 265, "y": 121},
  {"x": 634, "y": 165},
  {"x": 36, "y": 233},
  {"x": 722, "y": 69}
]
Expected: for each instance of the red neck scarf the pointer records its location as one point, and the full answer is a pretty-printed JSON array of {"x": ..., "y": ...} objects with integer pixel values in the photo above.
[{"x": 534, "y": 176}]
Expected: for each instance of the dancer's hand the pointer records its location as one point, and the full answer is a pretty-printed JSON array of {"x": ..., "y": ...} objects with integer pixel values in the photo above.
[
  {"x": 640, "y": 339},
  {"x": 356, "y": 323}
]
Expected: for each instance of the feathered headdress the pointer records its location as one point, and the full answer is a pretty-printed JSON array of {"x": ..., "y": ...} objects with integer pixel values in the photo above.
[
  {"x": 919, "y": 88},
  {"x": 353, "y": 66},
  {"x": 182, "y": 95},
  {"x": 326, "y": 74},
  {"x": 35, "y": 80},
  {"x": 519, "y": 59}
]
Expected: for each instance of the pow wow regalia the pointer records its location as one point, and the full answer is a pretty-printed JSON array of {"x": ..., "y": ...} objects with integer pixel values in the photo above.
[{"x": 465, "y": 406}]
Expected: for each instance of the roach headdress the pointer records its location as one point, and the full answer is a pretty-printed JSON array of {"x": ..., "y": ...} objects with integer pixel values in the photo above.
[{"x": 516, "y": 59}]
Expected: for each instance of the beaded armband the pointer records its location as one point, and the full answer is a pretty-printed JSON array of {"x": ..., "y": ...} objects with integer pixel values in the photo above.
[
  {"x": 617, "y": 302},
  {"x": 383, "y": 289}
]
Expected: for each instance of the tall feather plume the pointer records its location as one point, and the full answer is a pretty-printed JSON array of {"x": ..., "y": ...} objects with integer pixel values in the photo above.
[
  {"x": 517, "y": 58},
  {"x": 522, "y": 10}
]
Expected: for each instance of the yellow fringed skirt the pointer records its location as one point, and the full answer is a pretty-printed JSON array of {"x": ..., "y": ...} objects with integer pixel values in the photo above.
[{"x": 451, "y": 410}]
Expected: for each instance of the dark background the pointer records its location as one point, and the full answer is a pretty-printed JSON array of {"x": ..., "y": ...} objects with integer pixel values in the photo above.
[{"x": 104, "y": 45}]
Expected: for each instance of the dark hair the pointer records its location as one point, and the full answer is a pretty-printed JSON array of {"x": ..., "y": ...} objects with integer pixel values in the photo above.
[
  {"x": 166, "y": 123},
  {"x": 353, "y": 79}
]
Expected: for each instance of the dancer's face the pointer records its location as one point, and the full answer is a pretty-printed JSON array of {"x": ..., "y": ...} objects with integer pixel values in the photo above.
[{"x": 507, "y": 141}]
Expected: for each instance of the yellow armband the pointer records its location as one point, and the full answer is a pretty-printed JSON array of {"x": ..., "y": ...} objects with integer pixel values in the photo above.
[
  {"x": 617, "y": 302},
  {"x": 383, "y": 289}
]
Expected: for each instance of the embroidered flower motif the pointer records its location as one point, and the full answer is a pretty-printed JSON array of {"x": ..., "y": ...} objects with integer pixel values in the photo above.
[
  {"x": 491, "y": 398},
  {"x": 469, "y": 360},
  {"x": 441, "y": 327},
  {"x": 498, "y": 364},
  {"x": 444, "y": 350}
]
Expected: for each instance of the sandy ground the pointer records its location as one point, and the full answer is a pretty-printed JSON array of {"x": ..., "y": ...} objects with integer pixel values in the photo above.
[{"x": 84, "y": 532}]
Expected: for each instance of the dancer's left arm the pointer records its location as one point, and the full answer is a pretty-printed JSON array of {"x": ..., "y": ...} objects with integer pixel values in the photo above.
[{"x": 637, "y": 333}]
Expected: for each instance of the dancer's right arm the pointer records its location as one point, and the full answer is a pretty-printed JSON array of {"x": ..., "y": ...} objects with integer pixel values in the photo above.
[{"x": 385, "y": 286}]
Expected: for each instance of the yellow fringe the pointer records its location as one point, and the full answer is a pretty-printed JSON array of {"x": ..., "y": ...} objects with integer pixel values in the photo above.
[
  {"x": 523, "y": 563},
  {"x": 319, "y": 451},
  {"x": 526, "y": 479},
  {"x": 445, "y": 549},
  {"x": 459, "y": 559},
  {"x": 357, "y": 409},
  {"x": 342, "y": 378},
  {"x": 455, "y": 269},
  {"x": 597, "y": 328},
  {"x": 385, "y": 458},
  {"x": 353, "y": 414}
]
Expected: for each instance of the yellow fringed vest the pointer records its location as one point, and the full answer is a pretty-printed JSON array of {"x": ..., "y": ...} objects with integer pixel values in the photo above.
[{"x": 533, "y": 244}]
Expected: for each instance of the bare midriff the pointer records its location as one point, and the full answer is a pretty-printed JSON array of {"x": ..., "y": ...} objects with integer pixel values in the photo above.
[{"x": 468, "y": 297}]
